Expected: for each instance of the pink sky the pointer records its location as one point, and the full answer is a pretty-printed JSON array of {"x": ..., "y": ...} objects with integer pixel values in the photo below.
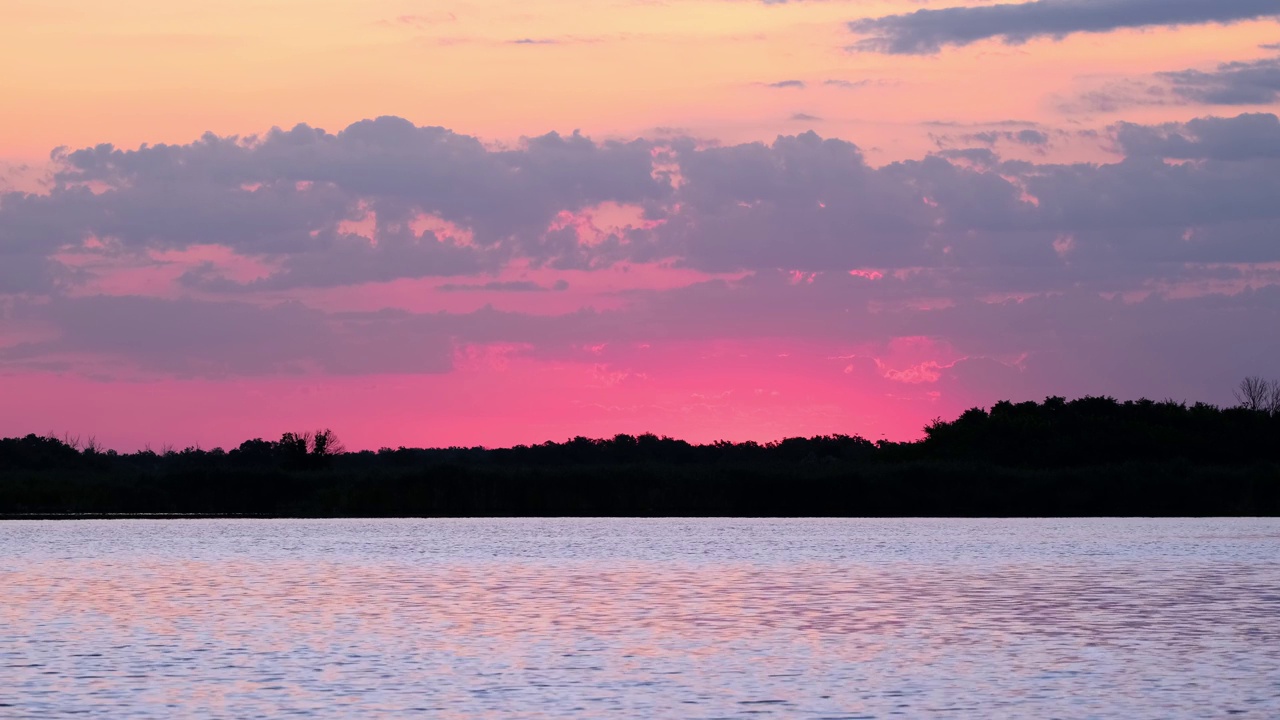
[{"x": 495, "y": 223}]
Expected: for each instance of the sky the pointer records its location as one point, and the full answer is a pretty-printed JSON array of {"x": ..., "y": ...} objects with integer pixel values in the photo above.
[{"x": 490, "y": 223}]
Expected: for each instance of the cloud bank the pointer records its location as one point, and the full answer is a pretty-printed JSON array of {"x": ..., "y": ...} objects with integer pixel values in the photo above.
[
  {"x": 959, "y": 273},
  {"x": 1234, "y": 83},
  {"x": 384, "y": 200},
  {"x": 927, "y": 31}
]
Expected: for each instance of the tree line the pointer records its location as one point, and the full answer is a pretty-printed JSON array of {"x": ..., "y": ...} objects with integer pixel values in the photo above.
[{"x": 1090, "y": 455}]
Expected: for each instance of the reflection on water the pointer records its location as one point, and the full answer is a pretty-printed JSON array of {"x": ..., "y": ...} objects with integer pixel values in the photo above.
[{"x": 641, "y": 618}]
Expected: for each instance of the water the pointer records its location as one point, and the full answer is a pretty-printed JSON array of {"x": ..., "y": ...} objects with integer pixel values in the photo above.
[{"x": 640, "y": 618}]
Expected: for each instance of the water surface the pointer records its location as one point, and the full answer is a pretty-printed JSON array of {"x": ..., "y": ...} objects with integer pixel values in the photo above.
[{"x": 557, "y": 618}]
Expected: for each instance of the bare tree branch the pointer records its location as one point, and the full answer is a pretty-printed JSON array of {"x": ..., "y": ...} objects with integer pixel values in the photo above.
[{"x": 1255, "y": 393}]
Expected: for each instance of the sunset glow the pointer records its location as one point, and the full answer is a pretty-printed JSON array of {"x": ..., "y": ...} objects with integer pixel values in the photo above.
[{"x": 494, "y": 223}]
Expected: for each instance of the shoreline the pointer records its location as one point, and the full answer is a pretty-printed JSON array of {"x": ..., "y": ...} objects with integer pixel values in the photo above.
[{"x": 12, "y": 517}]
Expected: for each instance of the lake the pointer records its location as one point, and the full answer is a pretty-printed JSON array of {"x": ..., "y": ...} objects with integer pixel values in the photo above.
[{"x": 555, "y": 618}]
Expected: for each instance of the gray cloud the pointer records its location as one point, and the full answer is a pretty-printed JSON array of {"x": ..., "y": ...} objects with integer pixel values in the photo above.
[
  {"x": 286, "y": 196},
  {"x": 978, "y": 156},
  {"x": 352, "y": 260},
  {"x": 505, "y": 286},
  {"x": 1068, "y": 336},
  {"x": 1254, "y": 82},
  {"x": 804, "y": 117},
  {"x": 190, "y": 338},
  {"x": 846, "y": 84},
  {"x": 1124, "y": 277},
  {"x": 1246, "y": 137},
  {"x": 782, "y": 84},
  {"x": 801, "y": 203},
  {"x": 1030, "y": 137},
  {"x": 1071, "y": 341},
  {"x": 928, "y": 31},
  {"x": 1117, "y": 95},
  {"x": 22, "y": 273},
  {"x": 1234, "y": 83},
  {"x": 408, "y": 168}
]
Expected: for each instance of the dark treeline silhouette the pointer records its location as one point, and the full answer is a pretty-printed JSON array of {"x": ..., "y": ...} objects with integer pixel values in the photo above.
[{"x": 1090, "y": 456}]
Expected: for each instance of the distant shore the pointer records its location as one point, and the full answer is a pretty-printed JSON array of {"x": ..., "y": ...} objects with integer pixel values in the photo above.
[
  {"x": 1094, "y": 457},
  {"x": 139, "y": 516}
]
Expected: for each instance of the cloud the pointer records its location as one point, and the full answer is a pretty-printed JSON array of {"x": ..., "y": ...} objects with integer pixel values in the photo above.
[
  {"x": 291, "y": 196},
  {"x": 516, "y": 286},
  {"x": 814, "y": 205},
  {"x": 1031, "y": 137},
  {"x": 534, "y": 41},
  {"x": 1151, "y": 274},
  {"x": 385, "y": 200},
  {"x": 927, "y": 31},
  {"x": 190, "y": 338},
  {"x": 1245, "y": 137},
  {"x": 1073, "y": 337},
  {"x": 1028, "y": 136},
  {"x": 24, "y": 273},
  {"x": 352, "y": 260},
  {"x": 978, "y": 156},
  {"x": 1254, "y": 82},
  {"x": 804, "y": 117},
  {"x": 989, "y": 123},
  {"x": 783, "y": 84},
  {"x": 846, "y": 84},
  {"x": 998, "y": 276},
  {"x": 1234, "y": 83},
  {"x": 1117, "y": 95}
]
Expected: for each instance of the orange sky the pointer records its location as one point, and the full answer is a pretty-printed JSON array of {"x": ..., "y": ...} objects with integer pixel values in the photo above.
[{"x": 140, "y": 71}]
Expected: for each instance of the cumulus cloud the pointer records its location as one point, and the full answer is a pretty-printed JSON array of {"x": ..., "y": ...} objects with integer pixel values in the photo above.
[
  {"x": 385, "y": 200},
  {"x": 297, "y": 196},
  {"x": 814, "y": 205},
  {"x": 798, "y": 240},
  {"x": 425, "y": 169},
  {"x": 927, "y": 31}
]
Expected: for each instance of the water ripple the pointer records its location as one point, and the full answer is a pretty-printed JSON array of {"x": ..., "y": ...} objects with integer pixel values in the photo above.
[{"x": 644, "y": 618}]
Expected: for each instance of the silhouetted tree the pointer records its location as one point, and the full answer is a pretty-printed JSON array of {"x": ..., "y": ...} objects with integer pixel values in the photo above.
[
  {"x": 293, "y": 449},
  {"x": 1091, "y": 455},
  {"x": 325, "y": 443},
  {"x": 1258, "y": 393}
]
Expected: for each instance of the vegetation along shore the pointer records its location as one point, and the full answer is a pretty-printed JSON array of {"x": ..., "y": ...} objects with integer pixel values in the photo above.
[{"x": 1093, "y": 456}]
